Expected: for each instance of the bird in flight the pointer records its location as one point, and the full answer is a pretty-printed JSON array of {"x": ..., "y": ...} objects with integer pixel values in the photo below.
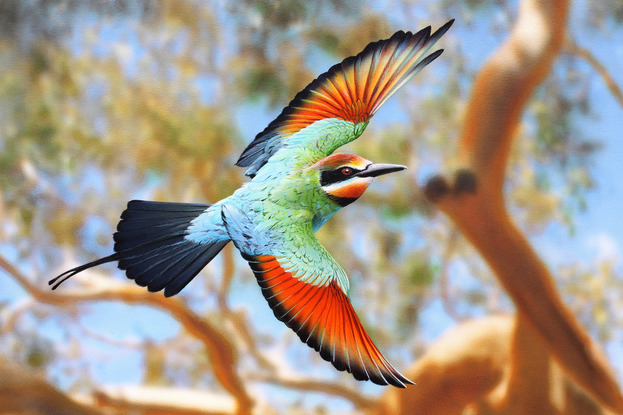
[{"x": 297, "y": 184}]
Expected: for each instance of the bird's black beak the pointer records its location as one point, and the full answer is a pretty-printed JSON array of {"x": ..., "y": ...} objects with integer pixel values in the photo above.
[{"x": 374, "y": 170}]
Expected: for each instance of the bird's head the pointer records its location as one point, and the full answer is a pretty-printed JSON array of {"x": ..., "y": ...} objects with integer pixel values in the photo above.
[{"x": 344, "y": 177}]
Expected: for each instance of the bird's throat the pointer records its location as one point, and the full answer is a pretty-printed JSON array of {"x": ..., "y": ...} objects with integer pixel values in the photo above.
[{"x": 345, "y": 193}]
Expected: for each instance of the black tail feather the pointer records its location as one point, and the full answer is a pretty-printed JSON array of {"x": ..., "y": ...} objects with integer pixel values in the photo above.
[
  {"x": 151, "y": 247},
  {"x": 186, "y": 269},
  {"x": 55, "y": 282}
]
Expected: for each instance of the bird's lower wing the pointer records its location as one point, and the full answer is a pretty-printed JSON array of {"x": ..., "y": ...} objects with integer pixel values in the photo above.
[
  {"x": 324, "y": 318},
  {"x": 308, "y": 290}
]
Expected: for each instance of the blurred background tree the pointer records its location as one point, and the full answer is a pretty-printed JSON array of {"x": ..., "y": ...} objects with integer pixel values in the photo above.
[{"x": 106, "y": 101}]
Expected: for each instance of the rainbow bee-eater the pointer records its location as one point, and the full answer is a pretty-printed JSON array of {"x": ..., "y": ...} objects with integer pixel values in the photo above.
[{"x": 296, "y": 185}]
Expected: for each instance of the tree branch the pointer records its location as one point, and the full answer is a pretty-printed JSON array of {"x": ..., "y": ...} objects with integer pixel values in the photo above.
[
  {"x": 164, "y": 400},
  {"x": 572, "y": 47},
  {"x": 24, "y": 392},
  {"x": 238, "y": 319},
  {"x": 220, "y": 350},
  {"x": 444, "y": 279},
  {"x": 477, "y": 206},
  {"x": 308, "y": 385},
  {"x": 461, "y": 367}
]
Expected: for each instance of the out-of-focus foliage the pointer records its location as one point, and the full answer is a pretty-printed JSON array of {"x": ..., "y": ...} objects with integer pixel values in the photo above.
[{"x": 105, "y": 101}]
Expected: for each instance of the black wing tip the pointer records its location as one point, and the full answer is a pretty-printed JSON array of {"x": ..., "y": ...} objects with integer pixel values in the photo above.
[
  {"x": 249, "y": 157},
  {"x": 402, "y": 382},
  {"x": 446, "y": 26},
  {"x": 441, "y": 31},
  {"x": 391, "y": 378},
  {"x": 384, "y": 377},
  {"x": 384, "y": 374},
  {"x": 426, "y": 31},
  {"x": 428, "y": 59}
]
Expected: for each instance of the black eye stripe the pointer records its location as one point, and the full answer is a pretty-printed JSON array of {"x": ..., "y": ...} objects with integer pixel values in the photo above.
[{"x": 328, "y": 177}]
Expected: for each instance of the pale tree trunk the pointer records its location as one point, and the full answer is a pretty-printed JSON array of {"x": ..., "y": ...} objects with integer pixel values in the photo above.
[
  {"x": 513, "y": 373},
  {"x": 489, "y": 366}
]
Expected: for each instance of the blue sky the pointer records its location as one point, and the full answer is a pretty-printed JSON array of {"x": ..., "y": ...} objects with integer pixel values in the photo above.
[{"x": 598, "y": 235}]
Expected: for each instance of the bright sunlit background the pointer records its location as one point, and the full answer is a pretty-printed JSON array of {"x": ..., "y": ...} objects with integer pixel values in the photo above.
[{"x": 102, "y": 102}]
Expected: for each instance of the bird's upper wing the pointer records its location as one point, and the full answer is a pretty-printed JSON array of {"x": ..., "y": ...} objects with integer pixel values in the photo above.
[
  {"x": 350, "y": 91},
  {"x": 308, "y": 290}
]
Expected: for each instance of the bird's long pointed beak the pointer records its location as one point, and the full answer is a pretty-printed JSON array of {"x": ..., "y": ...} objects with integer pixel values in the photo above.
[{"x": 374, "y": 169}]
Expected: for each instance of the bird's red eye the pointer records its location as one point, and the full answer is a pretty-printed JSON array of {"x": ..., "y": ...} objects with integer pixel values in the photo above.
[{"x": 347, "y": 171}]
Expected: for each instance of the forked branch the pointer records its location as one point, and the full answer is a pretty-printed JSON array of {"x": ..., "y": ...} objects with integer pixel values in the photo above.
[
  {"x": 221, "y": 351},
  {"x": 500, "y": 93}
]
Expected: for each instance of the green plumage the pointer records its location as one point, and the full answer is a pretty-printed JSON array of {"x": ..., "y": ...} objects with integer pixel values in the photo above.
[{"x": 297, "y": 185}]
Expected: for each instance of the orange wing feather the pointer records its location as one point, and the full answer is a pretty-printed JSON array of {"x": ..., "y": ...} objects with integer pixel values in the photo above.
[
  {"x": 352, "y": 91},
  {"x": 356, "y": 88},
  {"x": 324, "y": 318}
]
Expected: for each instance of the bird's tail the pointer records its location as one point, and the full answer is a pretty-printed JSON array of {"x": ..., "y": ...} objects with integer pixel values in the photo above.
[{"x": 151, "y": 246}]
